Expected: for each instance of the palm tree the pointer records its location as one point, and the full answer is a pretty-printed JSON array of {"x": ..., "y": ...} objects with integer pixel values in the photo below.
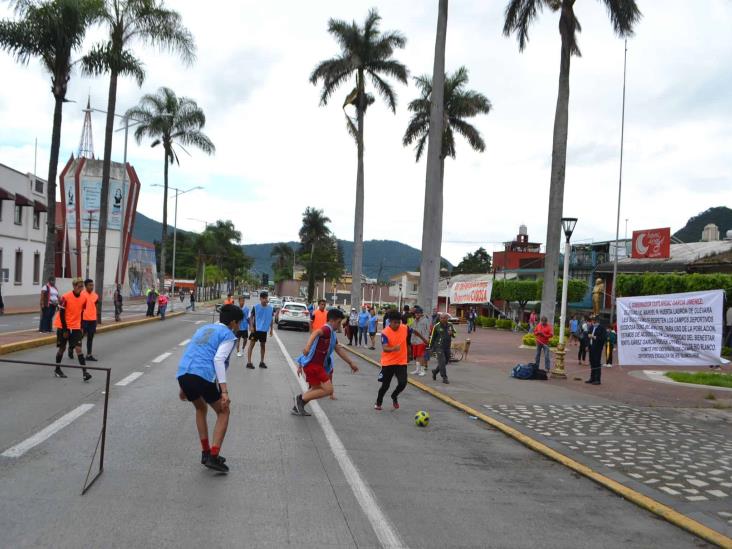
[
  {"x": 283, "y": 264},
  {"x": 170, "y": 121},
  {"x": 150, "y": 23},
  {"x": 51, "y": 31},
  {"x": 458, "y": 104},
  {"x": 624, "y": 14},
  {"x": 366, "y": 52},
  {"x": 314, "y": 231}
]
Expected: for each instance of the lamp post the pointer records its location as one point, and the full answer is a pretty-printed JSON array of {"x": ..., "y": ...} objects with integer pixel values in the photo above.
[
  {"x": 203, "y": 272},
  {"x": 447, "y": 297},
  {"x": 175, "y": 234},
  {"x": 568, "y": 224}
]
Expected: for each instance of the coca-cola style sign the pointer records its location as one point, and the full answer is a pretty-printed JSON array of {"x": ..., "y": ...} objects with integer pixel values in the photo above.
[{"x": 652, "y": 244}]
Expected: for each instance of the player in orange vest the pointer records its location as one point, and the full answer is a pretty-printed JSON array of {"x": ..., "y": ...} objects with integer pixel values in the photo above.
[
  {"x": 229, "y": 300},
  {"x": 319, "y": 317},
  {"x": 68, "y": 326},
  {"x": 394, "y": 357},
  {"x": 89, "y": 317}
]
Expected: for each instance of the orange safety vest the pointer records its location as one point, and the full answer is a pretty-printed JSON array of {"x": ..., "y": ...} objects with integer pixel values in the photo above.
[
  {"x": 319, "y": 319},
  {"x": 90, "y": 311},
  {"x": 73, "y": 307},
  {"x": 395, "y": 337}
]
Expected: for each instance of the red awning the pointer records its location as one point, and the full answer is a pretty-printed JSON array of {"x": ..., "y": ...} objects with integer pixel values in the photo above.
[
  {"x": 6, "y": 195},
  {"x": 39, "y": 206},
  {"x": 21, "y": 200}
]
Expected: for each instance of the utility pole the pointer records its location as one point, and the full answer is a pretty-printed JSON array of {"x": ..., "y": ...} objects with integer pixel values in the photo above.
[{"x": 90, "y": 219}]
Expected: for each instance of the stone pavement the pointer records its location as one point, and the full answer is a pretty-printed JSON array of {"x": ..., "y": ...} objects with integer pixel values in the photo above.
[{"x": 673, "y": 444}]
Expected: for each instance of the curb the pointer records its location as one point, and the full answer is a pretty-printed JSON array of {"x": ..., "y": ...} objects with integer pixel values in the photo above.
[
  {"x": 649, "y": 504},
  {"x": 48, "y": 340}
]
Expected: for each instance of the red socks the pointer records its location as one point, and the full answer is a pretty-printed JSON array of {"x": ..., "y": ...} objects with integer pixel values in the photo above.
[
  {"x": 214, "y": 451},
  {"x": 204, "y": 445}
]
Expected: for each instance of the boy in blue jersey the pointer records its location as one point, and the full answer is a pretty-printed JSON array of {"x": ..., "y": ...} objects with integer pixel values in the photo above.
[
  {"x": 260, "y": 322},
  {"x": 202, "y": 380},
  {"x": 242, "y": 334},
  {"x": 373, "y": 322}
]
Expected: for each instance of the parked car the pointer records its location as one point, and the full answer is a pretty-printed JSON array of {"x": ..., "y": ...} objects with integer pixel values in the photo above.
[
  {"x": 276, "y": 303},
  {"x": 294, "y": 315},
  {"x": 245, "y": 294}
]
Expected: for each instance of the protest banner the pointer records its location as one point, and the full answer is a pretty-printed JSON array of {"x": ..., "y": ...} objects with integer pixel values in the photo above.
[
  {"x": 671, "y": 330},
  {"x": 471, "y": 292}
]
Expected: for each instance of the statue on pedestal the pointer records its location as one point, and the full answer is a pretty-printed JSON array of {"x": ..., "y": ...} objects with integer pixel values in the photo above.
[{"x": 598, "y": 296}]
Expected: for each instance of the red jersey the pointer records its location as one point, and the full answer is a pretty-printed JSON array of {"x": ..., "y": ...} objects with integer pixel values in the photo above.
[{"x": 72, "y": 307}]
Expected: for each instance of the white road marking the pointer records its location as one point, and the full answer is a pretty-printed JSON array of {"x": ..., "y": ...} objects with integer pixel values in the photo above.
[
  {"x": 129, "y": 379},
  {"x": 380, "y": 522},
  {"x": 160, "y": 358},
  {"x": 201, "y": 321},
  {"x": 183, "y": 343},
  {"x": 46, "y": 433}
]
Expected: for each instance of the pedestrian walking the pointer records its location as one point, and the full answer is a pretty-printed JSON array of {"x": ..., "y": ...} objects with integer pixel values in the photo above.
[
  {"x": 373, "y": 324},
  {"x": 151, "y": 297},
  {"x": 163, "y": 304},
  {"x": 89, "y": 317},
  {"x": 543, "y": 332},
  {"x": 363, "y": 326},
  {"x": 422, "y": 327},
  {"x": 49, "y": 304},
  {"x": 316, "y": 362},
  {"x": 192, "y": 301},
  {"x": 260, "y": 322},
  {"x": 598, "y": 337},
  {"x": 440, "y": 343},
  {"x": 612, "y": 338},
  {"x": 202, "y": 380},
  {"x": 394, "y": 359},
  {"x": 68, "y": 326},
  {"x": 472, "y": 317},
  {"x": 574, "y": 330},
  {"x": 584, "y": 341},
  {"x": 532, "y": 321},
  {"x": 117, "y": 300},
  {"x": 353, "y": 326},
  {"x": 242, "y": 333}
]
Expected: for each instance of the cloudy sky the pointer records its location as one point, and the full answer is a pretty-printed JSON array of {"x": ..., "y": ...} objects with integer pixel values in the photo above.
[{"x": 278, "y": 151}]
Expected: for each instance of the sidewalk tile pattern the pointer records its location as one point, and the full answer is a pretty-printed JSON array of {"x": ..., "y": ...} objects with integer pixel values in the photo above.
[{"x": 691, "y": 465}]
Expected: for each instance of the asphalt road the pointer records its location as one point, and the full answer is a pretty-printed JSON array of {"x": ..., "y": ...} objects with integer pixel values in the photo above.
[
  {"x": 29, "y": 321},
  {"x": 346, "y": 477}
]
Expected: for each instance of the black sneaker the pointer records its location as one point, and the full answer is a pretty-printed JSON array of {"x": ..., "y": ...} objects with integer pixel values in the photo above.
[
  {"x": 300, "y": 404},
  {"x": 58, "y": 372},
  {"x": 217, "y": 463},
  {"x": 295, "y": 411},
  {"x": 262, "y": 365},
  {"x": 71, "y": 353},
  {"x": 445, "y": 381},
  {"x": 87, "y": 376},
  {"x": 250, "y": 365},
  {"x": 205, "y": 455},
  {"x": 91, "y": 358}
]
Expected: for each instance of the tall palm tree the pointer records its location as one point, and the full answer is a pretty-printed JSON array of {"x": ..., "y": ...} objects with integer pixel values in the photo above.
[
  {"x": 170, "y": 121},
  {"x": 51, "y": 31},
  {"x": 366, "y": 54},
  {"x": 283, "y": 256},
  {"x": 458, "y": 104},
  {"x": 624, "y": 14},
  {"x": 150, "y": 23},
  {"x": 314, "y": 231}
]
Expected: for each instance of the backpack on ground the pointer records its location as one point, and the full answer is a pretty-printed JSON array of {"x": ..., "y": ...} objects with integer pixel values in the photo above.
[
  {"x": 523, "y": 371},
  {"x": 539, "y": 373}
]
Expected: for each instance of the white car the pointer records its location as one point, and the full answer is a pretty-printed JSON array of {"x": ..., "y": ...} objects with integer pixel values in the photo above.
[{"x": 294, "y": 315}]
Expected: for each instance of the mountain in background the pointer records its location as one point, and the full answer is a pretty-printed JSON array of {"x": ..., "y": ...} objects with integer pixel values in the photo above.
[
  {"x": 720, "y": 216},
  {"x": 381, "y": 258}
]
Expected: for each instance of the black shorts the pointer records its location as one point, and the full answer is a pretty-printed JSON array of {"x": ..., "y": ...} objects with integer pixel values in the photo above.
[
  {"x": 259, "y": 336},
  {"x": 242, "y": 334},
  {"x": 74, "y": 338},
  {"x": 195, "y": 387},
  {"x": 89, "y": 326}
]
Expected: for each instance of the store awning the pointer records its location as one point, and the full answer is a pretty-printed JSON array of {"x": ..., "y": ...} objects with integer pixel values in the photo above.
[
  {"x": 21, "y": 200},
  {"x": 39, "y": 206},
  {"x": 6, "y": 195}
]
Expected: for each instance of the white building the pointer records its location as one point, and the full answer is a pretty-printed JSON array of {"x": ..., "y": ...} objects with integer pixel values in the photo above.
[
  {"x": 22, "y": 236},
  {"x": 405, "y": 287}
]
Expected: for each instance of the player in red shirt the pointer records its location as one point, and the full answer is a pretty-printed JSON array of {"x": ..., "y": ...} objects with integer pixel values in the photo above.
[{"x": 68, "y": 326}]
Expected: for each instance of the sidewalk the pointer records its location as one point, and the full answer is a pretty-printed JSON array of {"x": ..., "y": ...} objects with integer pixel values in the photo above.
[{"x": 666, "y": 442}]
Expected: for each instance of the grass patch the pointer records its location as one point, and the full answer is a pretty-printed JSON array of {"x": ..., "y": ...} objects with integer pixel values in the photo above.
[{"x": 702, "y": 378}]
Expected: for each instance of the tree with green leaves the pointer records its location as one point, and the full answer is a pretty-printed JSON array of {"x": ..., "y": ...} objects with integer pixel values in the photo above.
[
  {"x": 173, "y": 122},
  {"x": 474, "y": 263},
  {"x": 459, "y": 104},
  {"x": 519, "y": 16},
  {"x": 51, "y": 31},
  {"x": 366, "y": 54},
  {"x": 314, "y": 233},
  {"x": 284, "y": 257},
  {"x": 126, "y": 22}
]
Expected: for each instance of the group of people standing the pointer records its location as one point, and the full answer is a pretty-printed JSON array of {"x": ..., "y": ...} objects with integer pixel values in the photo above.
[{"x": 152, "y": 298}]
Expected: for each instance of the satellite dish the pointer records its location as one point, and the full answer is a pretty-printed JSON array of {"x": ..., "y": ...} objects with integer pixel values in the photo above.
[{"x": 642, "y": 249}]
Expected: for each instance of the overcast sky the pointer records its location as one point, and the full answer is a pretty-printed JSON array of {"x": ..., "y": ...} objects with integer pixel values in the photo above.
[{"x": 278, "y": 151}]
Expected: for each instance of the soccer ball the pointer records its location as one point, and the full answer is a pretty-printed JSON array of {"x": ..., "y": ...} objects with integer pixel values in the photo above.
[{"x": 422, "y": 418}]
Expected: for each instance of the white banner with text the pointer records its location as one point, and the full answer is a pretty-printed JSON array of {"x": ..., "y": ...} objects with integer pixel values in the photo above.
[{"x": 471, "y": 292}]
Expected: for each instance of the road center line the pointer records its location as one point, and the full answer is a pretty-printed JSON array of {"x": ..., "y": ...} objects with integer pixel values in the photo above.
[
  {"x": 184, "y": 343},
  {"x": 201, "y": 321},
  {"x": 382, "y": 526},
  {"x": 158, "y": 359},
  {"x": 47, "y": 432},
  {"x": 129, "y": 379}
]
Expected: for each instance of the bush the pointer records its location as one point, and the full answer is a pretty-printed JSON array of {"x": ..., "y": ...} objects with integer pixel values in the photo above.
[
  {"x": 524, "y": 326},
  {"x": 482, "y": 321},
  {"x": 491, "y": 322},
  {"x": 726, "y": 351},
  {"x": 529, "y": 340},
  {"x": 505, "y": 324},
  {"x": 553, "y": 341}
]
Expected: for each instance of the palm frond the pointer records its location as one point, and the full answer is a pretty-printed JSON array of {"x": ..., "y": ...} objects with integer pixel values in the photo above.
[
  {"x": 470, "y": 133},
  {"x": 197, "y": 139},
  {"x": 389, "y": 67},
  {"x": 518, "y": 18},
  {"x": 624, "y": 14},
  {"x": 384, "y": 89},
  {"x": 158, "y": 26}
]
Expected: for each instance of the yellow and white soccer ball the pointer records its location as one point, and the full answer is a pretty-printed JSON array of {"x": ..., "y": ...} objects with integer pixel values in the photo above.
[{"x": 422, "y": 418}]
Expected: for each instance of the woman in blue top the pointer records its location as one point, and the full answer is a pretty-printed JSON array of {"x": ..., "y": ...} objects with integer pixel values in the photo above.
[
  {"x": 363, "y": 323},
  {"x": 373, "y": 323},
  {"x": 202, "y": 380}
]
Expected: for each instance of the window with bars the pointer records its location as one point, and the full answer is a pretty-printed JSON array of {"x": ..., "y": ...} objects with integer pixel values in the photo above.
[
  {"x": 36, "y": 220},
  {"x": 18, "y": 215},
  {"x": 36, "y": 268},
  {"x": 18, "y": 278}
]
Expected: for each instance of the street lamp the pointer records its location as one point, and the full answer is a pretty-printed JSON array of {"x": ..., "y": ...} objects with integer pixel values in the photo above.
[
  {"x": 568, "y": 224},
  {"x": 175, "y": 233}
]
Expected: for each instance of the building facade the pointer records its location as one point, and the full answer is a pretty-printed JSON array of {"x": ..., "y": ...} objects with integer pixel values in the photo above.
[{"x": 23, "y": 213}]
